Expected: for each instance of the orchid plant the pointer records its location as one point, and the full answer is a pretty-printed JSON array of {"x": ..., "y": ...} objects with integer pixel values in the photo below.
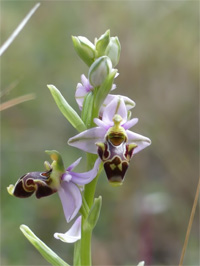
[{"x": 103, "y": 133}]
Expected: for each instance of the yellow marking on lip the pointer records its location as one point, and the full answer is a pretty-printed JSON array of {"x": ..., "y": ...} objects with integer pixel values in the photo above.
[
  {"x": 113, "y": 166},
  {"x": 115, "y": 183}
]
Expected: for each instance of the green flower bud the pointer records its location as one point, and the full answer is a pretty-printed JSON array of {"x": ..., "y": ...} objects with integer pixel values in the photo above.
[
  {"x": 99, "y": 70},
  {"x": 102, "y": 92},
  {"x": 84, "y": 48},
  {"x": 102, "y": 43},
  {"x": 113, "y": 50}
]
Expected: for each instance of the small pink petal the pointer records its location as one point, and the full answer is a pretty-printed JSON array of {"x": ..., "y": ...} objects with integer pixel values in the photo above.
[
  {"x": 130, "y": 123},
  {"x": 82, "y": 90},
  {"x": 100, "y": 123},
  {"x": 80, "y": 94},
  {"x": 116, "y": 106},
  {"x": 87, "y": 177},
  {"x": 73, "y": 234},
  {"x": 128, "y": 102},
  {"x": 86, "y": 140},
  {"x": 141, "y": 141},
  {"x": 71, "y": 199},
  {"x": 73, "y": 165},
  {"x": 86, "y": 83}
]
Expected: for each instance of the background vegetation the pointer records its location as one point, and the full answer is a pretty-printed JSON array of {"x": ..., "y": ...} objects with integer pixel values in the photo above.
[{"x": 147, "y": 217}]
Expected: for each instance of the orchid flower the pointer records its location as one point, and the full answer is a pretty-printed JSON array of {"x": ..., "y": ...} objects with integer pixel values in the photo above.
[
  {"x": 56, "y": 179},
  {"x": 85, "y": 87},
  {"x": 112, "y": 140}
]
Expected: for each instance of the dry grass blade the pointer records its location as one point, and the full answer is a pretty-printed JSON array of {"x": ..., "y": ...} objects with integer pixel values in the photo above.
[
  {"x": 9, "y": 88},
  {"x": 18, "y": 29},
  {"x": 16, "y": 101},
  {"x": 190, "y": 223}
]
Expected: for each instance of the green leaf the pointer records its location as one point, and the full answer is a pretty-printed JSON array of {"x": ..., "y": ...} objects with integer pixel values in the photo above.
[
  {"x": 44, "y": 250},
  {"x": 86, "y": 114},
  {"x": 102, "y": 92},
  {"x": 66, "y": 109},
  {"x": 94, "y": 213}
]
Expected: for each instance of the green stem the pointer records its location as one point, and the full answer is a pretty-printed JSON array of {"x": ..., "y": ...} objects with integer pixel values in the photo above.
[
  {"x": 90, "y": 191},
  {"x": 86, "y": 236},
  {"x": 77, "y": 250},
  {"x": 91, "y": 187},
  {"x": 82, "y": 249},
  {"x": 84, "y": 204},
  {"x": 88, "y": 199},
  {"x": 86, "y": 232}
]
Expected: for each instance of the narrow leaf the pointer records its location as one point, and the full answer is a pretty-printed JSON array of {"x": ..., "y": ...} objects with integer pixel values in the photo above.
[
  {"x": 44, "y": 250},
  {"x": 16, "y": 101},
  {"x": 94, "y": 213},
  {"x": 102, "y": 92},
  {"x": 87, "y": 109},
  {"x": 66, "y": 109}
]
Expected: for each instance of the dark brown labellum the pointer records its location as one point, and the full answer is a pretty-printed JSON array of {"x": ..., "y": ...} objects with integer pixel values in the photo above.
[
  {"x": 116, "y": 159},
  {"x": 38, "y": 182}
]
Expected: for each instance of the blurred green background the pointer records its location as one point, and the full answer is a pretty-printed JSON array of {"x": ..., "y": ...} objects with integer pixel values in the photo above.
[{"x": 146, "y": 218}]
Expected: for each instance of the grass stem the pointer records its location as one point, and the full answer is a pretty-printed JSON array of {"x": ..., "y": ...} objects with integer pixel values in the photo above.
[{"x": 190, "y": 224}]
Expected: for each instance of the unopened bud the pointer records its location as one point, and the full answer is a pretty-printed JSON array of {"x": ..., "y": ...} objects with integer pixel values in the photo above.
[
  {"x": 84, "y": 48},
  {"x": 99, "y": 70},
  {"x": 113, "y": 50},
  {"x": 102, "y": 43}
]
